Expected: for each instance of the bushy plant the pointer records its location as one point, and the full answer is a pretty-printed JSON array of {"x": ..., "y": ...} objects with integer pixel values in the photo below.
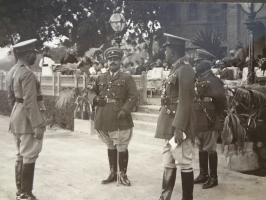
[
  {"x": 5, "y": 109},
  {"x": 62, "y": 117}
]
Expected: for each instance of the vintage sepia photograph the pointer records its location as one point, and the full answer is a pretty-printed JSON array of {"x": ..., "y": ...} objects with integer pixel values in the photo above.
[{"x": 132, "y": 100}]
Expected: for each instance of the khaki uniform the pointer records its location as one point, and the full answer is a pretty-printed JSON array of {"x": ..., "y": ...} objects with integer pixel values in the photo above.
[
  {"x": 28, "y": 110},
  {"x": 179, "y": 113},
  {"x": 120, "y": 92},
  {"x": 207, "y": 141}
]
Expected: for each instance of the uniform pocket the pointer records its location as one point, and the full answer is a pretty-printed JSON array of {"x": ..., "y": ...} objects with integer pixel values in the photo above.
[
  {"x": 102, "y": 85},
  {"x": 119, "y": 87},
  {"x": 41, "y": 105},
  {"x": 171, "y": 81}
]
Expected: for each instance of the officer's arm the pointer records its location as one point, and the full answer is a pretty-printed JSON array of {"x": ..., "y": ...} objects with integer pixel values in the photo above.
[
  {"x": 28, "y": 84},
  {"x": 186, "y": 77},
  {"x": 132, "y": 95},
  {"x": 10, "y": 93}
]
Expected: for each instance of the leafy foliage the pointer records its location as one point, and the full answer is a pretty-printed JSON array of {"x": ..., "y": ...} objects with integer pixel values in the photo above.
[
  {"x": 208, "y": 41},
  {"x": 66, "y": 97},
  {"x": 85, "y": 23},
  {"x": 248, "y": 105},
  {"x": 5, "y": 109},
  {"x": 233, "y": 128}
]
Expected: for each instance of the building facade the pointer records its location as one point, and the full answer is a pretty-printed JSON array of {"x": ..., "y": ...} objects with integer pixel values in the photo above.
[{"x": 227, "y": 20}]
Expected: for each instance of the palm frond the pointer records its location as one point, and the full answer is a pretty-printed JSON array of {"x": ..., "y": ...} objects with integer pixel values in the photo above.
[
  {"x": 209, "y": 41},
  {"x": 242, "y": 95},
  {"x": 65, "y": 98},
  {"x": 259, "y": 98}
]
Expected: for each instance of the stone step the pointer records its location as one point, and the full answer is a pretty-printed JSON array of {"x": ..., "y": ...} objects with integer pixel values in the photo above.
[
  {"x": 153, "y": 109},
  {"x": 145, "y": 117},
  {"x": 145, "y": 126}
]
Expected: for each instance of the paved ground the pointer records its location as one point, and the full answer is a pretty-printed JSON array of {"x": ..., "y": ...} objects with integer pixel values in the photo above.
[{"x": 72, "y": 165}]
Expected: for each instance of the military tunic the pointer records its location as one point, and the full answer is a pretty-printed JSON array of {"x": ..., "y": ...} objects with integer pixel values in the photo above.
[
  {"x": 122, "y": 92},
  {"x": 207, "y": 141},
  {"x": 22, "y": 83},
  {"x": 24, "y": 96},
  {"x": 179, "y": 87}
]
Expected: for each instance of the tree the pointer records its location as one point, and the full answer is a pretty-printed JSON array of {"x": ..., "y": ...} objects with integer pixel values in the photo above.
[
  {"x": 148, "y": 19},
  {"x": 85, "y": 23},
  {"x": 22, "y": 20}
]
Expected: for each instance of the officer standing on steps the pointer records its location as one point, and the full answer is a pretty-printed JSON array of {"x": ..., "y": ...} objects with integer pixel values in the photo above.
[
  {"x": 27, "y": 120},
  {"x": 115, "y": 95},
  {"x": 177, "y": 118}
]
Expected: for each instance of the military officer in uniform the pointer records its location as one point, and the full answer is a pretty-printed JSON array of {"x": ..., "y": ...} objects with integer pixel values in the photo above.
[
  {"x": 27, "y": 120},
  {"x": 202, "y": 56},
  {"x": 207, "y": 140},
  {"x": 115, "y": 95},
  {"x": 177, "y": 119}
]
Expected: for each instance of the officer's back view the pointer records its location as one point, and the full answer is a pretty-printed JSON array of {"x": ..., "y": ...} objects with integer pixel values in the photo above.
[{"x": 27, "y": 120}]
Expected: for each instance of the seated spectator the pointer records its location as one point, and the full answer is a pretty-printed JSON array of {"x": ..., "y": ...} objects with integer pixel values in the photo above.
[
  {"x": 240, "y": 56},
  {"x": 159, "y": 63},
  {"x": 69, "y": 58},
  {"x": 84, "y": 65},
  {"x": 128, "y": 68},
  {"x": 105, "y": 68},
  {"x": 140, "y": 68}
]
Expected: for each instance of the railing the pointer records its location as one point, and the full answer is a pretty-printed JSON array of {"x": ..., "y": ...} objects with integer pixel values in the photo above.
[{"x": 52, "y": 85}]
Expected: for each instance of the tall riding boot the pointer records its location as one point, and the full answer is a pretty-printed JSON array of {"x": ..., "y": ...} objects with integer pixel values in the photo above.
[
  {"x": 18, "y": 171},
  {"x": 123, "y": 162},
  {"x": 187, "y": 185},
  {"x": 27, "y": 181},
  {"x": 213, "y": 179},
  {"x": 112, "y": 156},
  {"x": 203, "y": 164},
  {"x": 168, "y": 184}
]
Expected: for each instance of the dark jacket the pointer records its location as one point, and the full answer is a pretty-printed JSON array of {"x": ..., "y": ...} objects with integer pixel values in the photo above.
[
  {"x": 213, "y": 87},
  {"x": 180, "y": 84},
  {"x": 120, "y": 87}
]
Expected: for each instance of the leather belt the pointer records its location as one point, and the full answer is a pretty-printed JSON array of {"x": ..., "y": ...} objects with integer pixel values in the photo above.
[
  {"x": 109, "y": 100},
  {"x": 205, "y": 99},
  {"x": 21, "y": 100},
  {"x": 169, "y": 100}
]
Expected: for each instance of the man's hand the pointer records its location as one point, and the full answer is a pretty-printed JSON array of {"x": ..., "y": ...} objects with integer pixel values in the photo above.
[
  {"x": 121, "y": 114},
  {"x": 38, "y": 132},
  {"x": 100, "y": 101},
  {"x": 178, "y": 136}
]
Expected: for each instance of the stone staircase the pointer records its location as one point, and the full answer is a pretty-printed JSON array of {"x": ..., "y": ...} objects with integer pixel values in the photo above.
[{"x": 146, "y": 117}]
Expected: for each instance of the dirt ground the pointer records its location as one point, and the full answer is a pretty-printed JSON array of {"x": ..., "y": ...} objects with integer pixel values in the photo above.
[{"x": 72, "y": 165}]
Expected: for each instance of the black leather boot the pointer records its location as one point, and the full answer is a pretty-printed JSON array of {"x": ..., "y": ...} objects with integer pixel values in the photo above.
[
  {"x": 213, "y": 179},
  {"x": 123, "y": 162},
  {"x": 168, "y": 184},
  {"x": 27, "y": 181},
  {"x": 112, "y": 156},
  {"x": 18, "y": 171},
  {"x": 187, "y": 185},
  {"x": 203, "y": 164}
]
